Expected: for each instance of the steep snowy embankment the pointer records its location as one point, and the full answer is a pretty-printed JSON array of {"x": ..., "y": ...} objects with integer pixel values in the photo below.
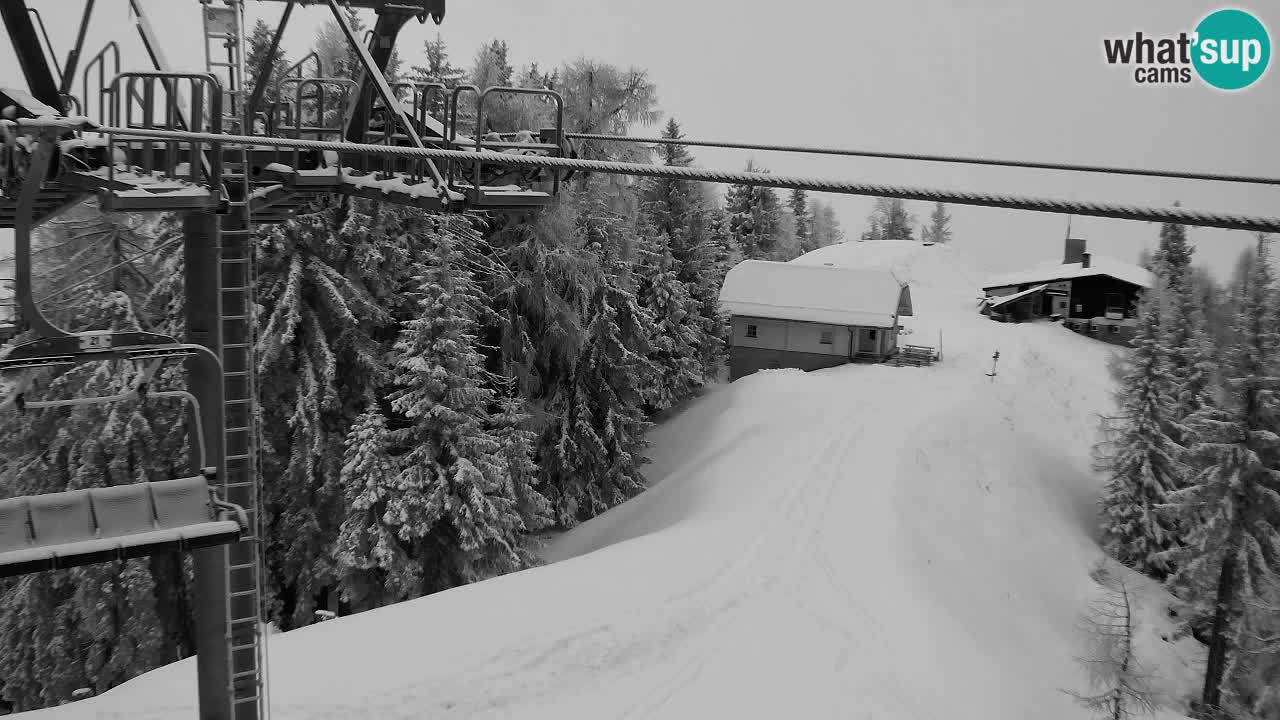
[{"x": 864, "y": 541}]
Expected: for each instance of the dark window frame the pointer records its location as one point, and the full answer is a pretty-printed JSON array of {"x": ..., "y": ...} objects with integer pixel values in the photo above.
[{"x": 752, "y": 331}]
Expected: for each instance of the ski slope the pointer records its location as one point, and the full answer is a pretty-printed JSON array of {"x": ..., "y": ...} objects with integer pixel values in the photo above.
[{"x": 858, "y": 542}]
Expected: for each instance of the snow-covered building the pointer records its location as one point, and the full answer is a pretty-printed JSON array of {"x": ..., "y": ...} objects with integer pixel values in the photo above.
[
  {"x": 791, "y": 315},
  {"x": 1090, "y": 294}
]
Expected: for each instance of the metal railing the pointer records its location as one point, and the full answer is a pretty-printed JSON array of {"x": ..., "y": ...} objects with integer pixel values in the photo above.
[{"x": 153, "y": 101}]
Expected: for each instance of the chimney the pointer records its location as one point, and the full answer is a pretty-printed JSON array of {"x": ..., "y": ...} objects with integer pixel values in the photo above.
[
  {"x": 1084, "y": 259},
  {"x": 1073, "y": 251}
]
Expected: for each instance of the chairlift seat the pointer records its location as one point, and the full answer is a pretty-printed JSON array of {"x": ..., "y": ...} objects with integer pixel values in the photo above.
[
  {"x": 15, "y": 542},
  {"x": 81, "y": 527},
  {"x": 184, "y": 506},
  {"x": 64, "y": 523}
]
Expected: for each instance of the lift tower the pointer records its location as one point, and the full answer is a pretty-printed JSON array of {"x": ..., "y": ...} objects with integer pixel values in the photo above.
[{"x": 222, "y": 189}]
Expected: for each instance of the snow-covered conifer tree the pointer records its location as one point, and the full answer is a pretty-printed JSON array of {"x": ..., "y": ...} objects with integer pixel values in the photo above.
[
  {"x": 677, "y": 332},
  {"x": 455, "y": 504},
  {"x": 1232, "y": 506},
  {"x": 1141, "y": 459}
]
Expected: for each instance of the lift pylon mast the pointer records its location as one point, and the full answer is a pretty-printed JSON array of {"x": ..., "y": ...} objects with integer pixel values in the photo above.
[{"x": 224, "y": 38}]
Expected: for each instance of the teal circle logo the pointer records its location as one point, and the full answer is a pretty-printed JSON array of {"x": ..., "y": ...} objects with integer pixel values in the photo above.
[{"x": 1232, "y": 49}]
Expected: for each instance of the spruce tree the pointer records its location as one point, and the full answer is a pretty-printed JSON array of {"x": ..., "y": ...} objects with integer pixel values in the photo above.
[
  {"x": 1184, "y": 336},
  {"x": 511, "y": 425},
  {"x": 451, "y": 504},
  {"x": 1174, "y": 253},
  {"x": 538, "y": 300},
  {"x": 336, "y": 55},
  {"x": 1191, "y": 353},
  {"x": 799, "y": 204},
  {"x": 677, "y": 331},
  {"x": 670, "y": 200},
  {"x": 259, "y": 42},
  {"x": 330, "y": 287},
  {"x": 889, "y": 220},
  {"x": 1232, "y": 506},
  {"x": 491, "y": 67},
  {"x": 596, "y": 445},
  {"x": 754, "y": 216},
  {"x": 374, "y": 568},
  {"x": 676, "y": 229},
  {"x": 438, "y": 68},
  {"x": 825, "y": 227},
  {"x": 875, "y": 229},
  {"x": 939, "y": 229},
  {"x": 1141, "y": 459}
]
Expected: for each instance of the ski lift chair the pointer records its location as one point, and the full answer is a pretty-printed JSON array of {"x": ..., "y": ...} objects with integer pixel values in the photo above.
[
  {"x": 59, "y": 530},
  {"x": 82, "y": 527}
]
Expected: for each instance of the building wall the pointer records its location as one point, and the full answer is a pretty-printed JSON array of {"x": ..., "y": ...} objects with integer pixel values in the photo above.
[
  {"x": 1115, "y": 332},
  {"x": 769, "y": 333},
  {"x": 792, "y": 336},
  {"x": 1086, "y": 298},
  {"x": 1089, "y": 296},
  {"x": 808, "y": 337},
  {"x": 796, "y": 344},
  {"x": 747, "y": 360}
]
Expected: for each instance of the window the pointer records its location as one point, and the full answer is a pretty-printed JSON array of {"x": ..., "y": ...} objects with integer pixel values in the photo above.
[
  {"x": 871, "y": 334},
  {"x": 751, "y": 331},
  {"x": 1114, "y": 329},
  {"x": 827, "y": 338},
  {"x": 1115, "y": 305}
]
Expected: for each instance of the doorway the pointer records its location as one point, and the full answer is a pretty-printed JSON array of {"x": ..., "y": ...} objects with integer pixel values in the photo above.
[{"x": 868, "y": 341}]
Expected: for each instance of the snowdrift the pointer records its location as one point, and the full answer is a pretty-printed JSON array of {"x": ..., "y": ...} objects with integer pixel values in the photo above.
[{"x": 863, "y": 541}]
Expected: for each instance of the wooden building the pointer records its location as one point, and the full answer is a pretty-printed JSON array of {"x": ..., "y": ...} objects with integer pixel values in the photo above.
[
  {"x": 789, "y": 315},
  {"x": 1092, "y": 295}
]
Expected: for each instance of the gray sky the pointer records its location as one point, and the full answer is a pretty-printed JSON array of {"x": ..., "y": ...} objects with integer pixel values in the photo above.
[{"x": 996, "y": 78}]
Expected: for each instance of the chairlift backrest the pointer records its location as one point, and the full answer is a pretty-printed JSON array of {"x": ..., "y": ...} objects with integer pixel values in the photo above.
[
  {"x": 63, "y": 517},
  {"x": 122, "y": 510},
  {"x": 14, "y": 533},
  {"x": 183, "y": 501}
]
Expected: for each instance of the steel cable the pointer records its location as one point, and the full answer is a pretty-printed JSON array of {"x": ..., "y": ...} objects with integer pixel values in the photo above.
[
  {"x": 1176, "y": 215},
  {"x": 955, "y": 159}
]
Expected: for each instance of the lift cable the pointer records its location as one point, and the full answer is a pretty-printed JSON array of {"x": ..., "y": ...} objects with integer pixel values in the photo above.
[
  {"x": 114, "y": 267},
  {"x": 1175, "y": 215},
  {"x": 1215, "y": 177}
]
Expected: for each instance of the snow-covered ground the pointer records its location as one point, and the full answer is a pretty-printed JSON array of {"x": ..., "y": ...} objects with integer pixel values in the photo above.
[{"x": 858, "y": 542}]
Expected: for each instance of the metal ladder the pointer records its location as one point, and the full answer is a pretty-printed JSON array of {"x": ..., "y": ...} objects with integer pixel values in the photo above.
[{"x": 224, "y": 58}]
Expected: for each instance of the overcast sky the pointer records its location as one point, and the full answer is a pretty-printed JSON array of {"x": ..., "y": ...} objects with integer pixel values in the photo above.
[{"x": 994, "y": 78}]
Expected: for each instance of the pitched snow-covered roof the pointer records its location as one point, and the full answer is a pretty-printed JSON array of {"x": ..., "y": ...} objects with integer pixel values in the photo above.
[
  {"x": 814, "y": 293},
  {"x": 997, "y": 302},
  {"x": 1098, "y": 265}
]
